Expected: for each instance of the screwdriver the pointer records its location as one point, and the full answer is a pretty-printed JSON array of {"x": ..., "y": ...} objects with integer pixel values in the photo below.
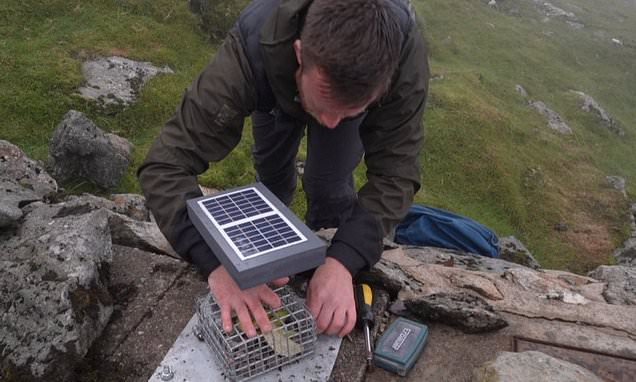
[{"x": 364, "y": 304}]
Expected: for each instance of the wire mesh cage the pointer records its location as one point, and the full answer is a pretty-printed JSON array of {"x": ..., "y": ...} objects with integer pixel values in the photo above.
[{"x": 293, "y": 337}]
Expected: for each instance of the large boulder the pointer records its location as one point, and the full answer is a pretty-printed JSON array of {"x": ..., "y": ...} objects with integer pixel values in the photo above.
[
  {"x": 80, "y": 149},
  {"x": 532, "y": 366},
  {"x": 53, "y": 291}
]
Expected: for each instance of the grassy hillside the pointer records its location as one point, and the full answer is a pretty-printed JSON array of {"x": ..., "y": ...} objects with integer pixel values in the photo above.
[
  {"x": 491, "y": 157},
  {"x": 488, "y": 155}
]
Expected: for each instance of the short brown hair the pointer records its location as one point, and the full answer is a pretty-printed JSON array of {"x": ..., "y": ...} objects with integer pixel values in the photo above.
[{"x": 355, "y": 42}]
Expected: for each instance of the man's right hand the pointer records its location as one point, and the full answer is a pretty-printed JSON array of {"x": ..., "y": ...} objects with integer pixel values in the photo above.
[{"x": 247, "y": 303}]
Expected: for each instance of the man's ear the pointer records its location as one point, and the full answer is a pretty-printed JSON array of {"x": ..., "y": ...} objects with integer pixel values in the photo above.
[{"x": 297, "y": 50}]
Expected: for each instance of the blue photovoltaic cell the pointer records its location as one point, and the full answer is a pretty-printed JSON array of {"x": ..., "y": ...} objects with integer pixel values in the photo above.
[
  {"x": 261, "y": 235},
  {"x": 240, "y": 205},
  {"x": 254, "y": 236}
]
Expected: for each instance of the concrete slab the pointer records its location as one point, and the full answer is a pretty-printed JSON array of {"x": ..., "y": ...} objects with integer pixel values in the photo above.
[
  {"x": 154, "y": 298},
  {"x": 191, "y": 360},
  {"x": 138, "y": 280},
  {"x": 155, "y": 334}
]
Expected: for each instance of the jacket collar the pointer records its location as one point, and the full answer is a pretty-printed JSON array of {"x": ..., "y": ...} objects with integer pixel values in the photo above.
[{"x": 277, "y": 37}]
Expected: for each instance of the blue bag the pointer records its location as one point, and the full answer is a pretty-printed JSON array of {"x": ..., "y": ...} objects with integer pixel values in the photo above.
[{"x": 434, "y": 227}]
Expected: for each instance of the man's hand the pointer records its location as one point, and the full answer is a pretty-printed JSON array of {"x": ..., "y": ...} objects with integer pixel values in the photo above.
[
  {"x": 330, "y": 298},
  {"x": 247, "y": 303}
]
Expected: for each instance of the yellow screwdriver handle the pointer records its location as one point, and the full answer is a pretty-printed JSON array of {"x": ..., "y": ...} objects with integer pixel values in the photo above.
[{"x": 367, "y": 295}]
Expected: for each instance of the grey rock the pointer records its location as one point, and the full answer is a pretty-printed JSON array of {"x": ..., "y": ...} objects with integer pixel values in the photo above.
[
  {"x": 470, "y": 313},
  {"x": 626, "y": 255},
  {"x": 621, "y": 283},
  {"x": 575, "y": 25},
  {"x": 12, "y": 198},
  {"x": 124, "y": 230},
  {"x": 519, "y": 290},
  {"x": 137, "y": 234},
  {"x": 521, "y": 90},
  {"x": 54, "y": 300},
  {"x": 9, "y": 214},
  {"x": 554, "y": 119},
  {"x": 459, "y": 259},
  {"x": 590, "y": 105},
  {"x": 16, "y": 167},
  {"x": 533, "y": 178},
  {"x": 208, "y": 190},
  {"x": 552, "y": 10},
  {"x": 392, "y": 272},
  {"x": 131, "y": 205},
  {"x": 79, "y": 149},
  {"x": 513, "y": 250},
  {"x": 116, "y": 80},
  {"x": 531, "y": 366},
  {"x": 617, "y": 182}
]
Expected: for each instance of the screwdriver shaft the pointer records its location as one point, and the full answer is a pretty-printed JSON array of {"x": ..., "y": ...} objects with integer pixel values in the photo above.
[{"x": 367, "y": 338}]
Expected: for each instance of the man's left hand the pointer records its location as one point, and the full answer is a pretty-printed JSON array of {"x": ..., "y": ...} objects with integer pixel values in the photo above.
[{"x": 330, "y": 298}]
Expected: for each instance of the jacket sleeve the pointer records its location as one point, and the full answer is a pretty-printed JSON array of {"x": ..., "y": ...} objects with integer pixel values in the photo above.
[
  {"x": 206, "y": 126},
  {"x": 392, "y": 135}
]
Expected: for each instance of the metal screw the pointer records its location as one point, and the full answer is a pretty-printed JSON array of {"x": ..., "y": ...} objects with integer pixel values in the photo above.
[
  {"x": 167, "y": 373},
  {"x": 198, "y": 333}
]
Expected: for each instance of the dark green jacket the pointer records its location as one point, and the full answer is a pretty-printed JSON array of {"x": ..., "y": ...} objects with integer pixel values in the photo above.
[{"x": 254, "y": 67}]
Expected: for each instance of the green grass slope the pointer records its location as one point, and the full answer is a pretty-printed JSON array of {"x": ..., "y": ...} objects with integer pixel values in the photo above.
[
  {"x": 487, "y": 154},
  {"x": 490, "y": 156}
]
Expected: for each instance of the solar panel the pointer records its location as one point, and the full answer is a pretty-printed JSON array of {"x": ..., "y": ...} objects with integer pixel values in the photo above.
[
  {"x": 250, "y": 223},
  {"x": 254, "y": 235}
]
